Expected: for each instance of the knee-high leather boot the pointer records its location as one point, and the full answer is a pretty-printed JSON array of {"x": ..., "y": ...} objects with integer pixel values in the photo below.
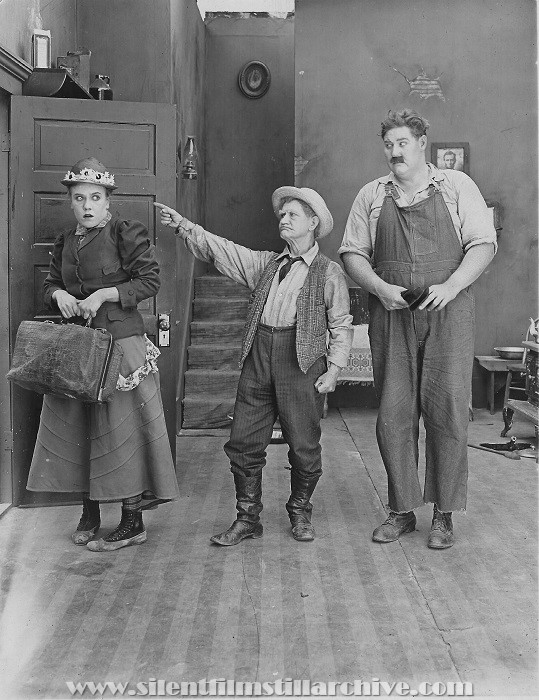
[
  {"x": 299, "y": 506},
  {"x": 249, "y": 506}
]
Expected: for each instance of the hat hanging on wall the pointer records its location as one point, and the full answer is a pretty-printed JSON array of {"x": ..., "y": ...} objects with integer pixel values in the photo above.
[{"x": 254, "y": 79}]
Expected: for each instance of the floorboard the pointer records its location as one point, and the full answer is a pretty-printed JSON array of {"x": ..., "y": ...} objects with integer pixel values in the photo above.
[{"x": 338, "y": 609}]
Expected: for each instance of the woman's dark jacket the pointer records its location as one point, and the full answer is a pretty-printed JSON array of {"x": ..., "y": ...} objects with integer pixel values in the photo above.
[{"x": 118, "y": 255}]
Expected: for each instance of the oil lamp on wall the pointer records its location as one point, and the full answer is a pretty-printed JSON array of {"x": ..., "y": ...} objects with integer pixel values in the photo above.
[{"x": 190, "y": 159}]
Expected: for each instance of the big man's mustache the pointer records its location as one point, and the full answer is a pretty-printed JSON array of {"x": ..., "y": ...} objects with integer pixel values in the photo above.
[{"x": 398, "y": 159}]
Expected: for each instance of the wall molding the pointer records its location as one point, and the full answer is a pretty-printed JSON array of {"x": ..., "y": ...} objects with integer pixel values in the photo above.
[{"x": 13, "y": 71}]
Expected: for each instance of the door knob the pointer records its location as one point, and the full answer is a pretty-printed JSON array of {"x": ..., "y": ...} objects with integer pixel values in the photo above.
[{"x": 163, "y": 326}]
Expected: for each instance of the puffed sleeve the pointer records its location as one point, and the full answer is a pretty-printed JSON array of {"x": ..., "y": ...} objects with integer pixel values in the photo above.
[
  {"x": 137, "y": 254},
  {"x": 53, "y": 280}
]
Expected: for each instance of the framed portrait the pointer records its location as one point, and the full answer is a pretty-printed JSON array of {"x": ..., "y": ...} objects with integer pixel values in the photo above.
[
  {"x": 451, "y": 156},
  {"x": 254, "y": 79}
]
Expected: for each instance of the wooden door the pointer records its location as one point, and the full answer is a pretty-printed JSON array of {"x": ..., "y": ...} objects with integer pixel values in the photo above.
[{"x": 136, "y": 142}]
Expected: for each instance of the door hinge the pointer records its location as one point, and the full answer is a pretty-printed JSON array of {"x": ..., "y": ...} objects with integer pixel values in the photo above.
[
  {"x": 8, "y": 441},
  {"x": 5, "y": 142}
]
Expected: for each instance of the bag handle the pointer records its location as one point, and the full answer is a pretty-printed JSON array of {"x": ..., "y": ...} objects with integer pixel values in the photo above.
[{"x": 66, "y": 321}]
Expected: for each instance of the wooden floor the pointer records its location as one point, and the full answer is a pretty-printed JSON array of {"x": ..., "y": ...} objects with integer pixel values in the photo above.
[{"x": 339, "y": 608}]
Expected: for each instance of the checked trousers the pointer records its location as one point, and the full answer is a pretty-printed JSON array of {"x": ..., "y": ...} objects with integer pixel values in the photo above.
[{"x": 271, "y": 384}]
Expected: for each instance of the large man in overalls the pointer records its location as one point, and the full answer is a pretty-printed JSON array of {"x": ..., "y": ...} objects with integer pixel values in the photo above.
[{"x": 420, "y": 228}]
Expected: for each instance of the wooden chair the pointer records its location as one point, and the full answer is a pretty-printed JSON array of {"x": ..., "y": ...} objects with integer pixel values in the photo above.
[{"x": 515, "y": 388}]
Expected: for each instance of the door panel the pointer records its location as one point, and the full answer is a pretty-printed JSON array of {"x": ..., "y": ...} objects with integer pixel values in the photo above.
[
  {"x": 136, "y": 142},
  {"x": 132, "y": 146}
]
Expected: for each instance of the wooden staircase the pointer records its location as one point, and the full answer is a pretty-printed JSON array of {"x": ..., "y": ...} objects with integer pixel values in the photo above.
[{"x": 211, "y": 379}]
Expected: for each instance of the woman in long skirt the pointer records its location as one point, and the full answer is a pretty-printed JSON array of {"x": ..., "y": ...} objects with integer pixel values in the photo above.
[{"x": 119, "y": 450}]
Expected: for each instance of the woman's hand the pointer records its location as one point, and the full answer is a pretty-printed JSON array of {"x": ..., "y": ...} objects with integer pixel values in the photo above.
[
  {"x": 90, "y": 306},
  {"x": 169, "y": 217},
  {"x": 68, "y": 305}
]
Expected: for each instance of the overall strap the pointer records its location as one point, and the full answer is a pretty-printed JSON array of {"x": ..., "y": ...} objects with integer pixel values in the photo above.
[{"x": 391, "y": 190}]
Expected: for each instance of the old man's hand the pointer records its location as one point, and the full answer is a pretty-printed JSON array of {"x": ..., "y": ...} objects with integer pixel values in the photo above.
[
  {"x": 169, "y": 217},
  {"x": 327, "y": 382}
]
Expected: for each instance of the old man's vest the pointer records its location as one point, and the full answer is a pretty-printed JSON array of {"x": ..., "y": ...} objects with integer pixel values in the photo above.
[{"x": 311, "y": 328}]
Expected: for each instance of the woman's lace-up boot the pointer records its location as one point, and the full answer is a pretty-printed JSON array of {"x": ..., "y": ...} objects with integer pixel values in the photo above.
[
  {"x": 89, "y": 522},
  {"x": 129, "y": 531}
]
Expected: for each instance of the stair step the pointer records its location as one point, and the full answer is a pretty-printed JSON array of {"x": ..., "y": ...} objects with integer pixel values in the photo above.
[
  {"x": 213, "y": 356},
  {"x": 204, "y": 412},
  {"x": 220, "y": 309},
  {"x": 206, "y": 332},
  {"x": 213, "y": 382},
  {"x": 219, "y": 286}
]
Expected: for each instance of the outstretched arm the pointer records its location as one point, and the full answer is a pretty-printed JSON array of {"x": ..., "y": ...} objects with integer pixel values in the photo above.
[{"x": 240, "y": 264}]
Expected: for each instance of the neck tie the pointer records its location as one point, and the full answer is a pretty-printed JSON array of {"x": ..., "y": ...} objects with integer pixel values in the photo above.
[{"x": 285, "y": 269}]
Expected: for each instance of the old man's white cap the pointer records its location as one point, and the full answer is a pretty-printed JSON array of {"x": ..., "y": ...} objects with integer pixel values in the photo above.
[{"x": 310, "y": 197}]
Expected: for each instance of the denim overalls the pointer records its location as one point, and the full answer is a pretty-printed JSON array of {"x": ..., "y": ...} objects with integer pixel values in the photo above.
[{"x": 422, "y": 360}]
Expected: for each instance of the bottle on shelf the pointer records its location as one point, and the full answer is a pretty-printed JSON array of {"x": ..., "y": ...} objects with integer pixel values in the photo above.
[{"x": 100, "y": 88}]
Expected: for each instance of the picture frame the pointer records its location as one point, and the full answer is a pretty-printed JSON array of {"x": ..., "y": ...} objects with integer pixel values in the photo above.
[
  {"x": 41, "y": 48},
  {"x": 496, "y": 210},
  {"x": 254, "y": 79},
  {"x": 451, "y": 155}
]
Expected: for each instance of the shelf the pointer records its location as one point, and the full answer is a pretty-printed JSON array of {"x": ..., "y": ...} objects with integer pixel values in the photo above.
[{"x": 54, "y": 82}]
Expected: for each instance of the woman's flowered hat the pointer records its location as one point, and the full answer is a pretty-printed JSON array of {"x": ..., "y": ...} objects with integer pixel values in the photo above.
[{"x": 89, "y": 170}]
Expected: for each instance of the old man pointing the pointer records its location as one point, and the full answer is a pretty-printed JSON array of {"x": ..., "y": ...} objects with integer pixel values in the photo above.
[{"x": 288, "y": 358}]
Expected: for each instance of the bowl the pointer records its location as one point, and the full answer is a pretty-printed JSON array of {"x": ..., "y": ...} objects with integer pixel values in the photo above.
[{"x": 510, "y": 353}]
